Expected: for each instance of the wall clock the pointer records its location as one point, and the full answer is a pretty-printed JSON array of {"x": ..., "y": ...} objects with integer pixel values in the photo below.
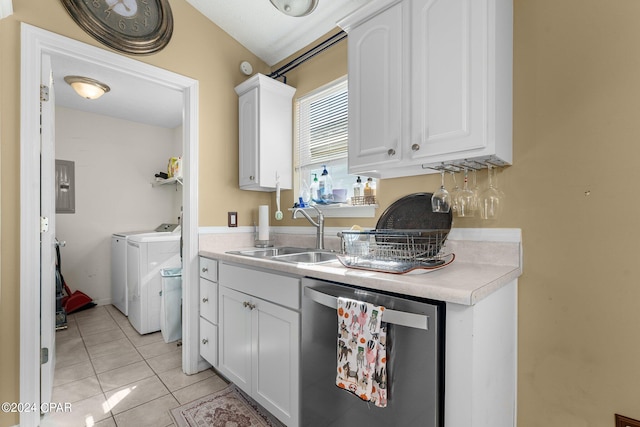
[{"x": 129, "y": 26}]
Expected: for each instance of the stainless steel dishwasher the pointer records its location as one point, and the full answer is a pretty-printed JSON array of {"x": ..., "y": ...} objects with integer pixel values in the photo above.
[{"x": 415, "y": 365}]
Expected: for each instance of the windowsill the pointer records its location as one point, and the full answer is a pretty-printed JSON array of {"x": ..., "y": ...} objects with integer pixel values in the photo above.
[{"x": 344, "y": 210}]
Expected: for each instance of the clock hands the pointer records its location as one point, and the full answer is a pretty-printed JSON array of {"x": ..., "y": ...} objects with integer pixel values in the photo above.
[
  {"x": 112, "y": 7},
  {"x": 117, "y": 3}
]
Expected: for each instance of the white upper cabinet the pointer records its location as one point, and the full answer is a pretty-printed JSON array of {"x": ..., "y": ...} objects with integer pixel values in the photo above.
[
  {"x": 430, "y": 82},
  {"x": 265, "y": 133},
  {"x": 375, "y": 87}
]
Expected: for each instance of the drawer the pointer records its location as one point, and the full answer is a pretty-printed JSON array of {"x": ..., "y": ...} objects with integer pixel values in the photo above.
[
  {"x": 209, "y": 342},
  {"x": 209, "y": 300},
  {"x": 281, "y": 289},
  {"x": 209, "y": 269}
]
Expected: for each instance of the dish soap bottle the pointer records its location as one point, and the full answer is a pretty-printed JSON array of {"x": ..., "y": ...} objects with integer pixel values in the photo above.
[
  {"x": 370, "y": 192},
  {"x": 313, "y": 189},
  {"x": 325, "y": 187}
]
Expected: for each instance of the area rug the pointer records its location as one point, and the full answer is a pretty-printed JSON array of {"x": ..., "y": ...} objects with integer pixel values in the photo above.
[{"x": 225, "y": 408}]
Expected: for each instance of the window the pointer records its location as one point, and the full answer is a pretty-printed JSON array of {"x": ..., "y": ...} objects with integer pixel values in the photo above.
[{"x": 321, "y": 119}]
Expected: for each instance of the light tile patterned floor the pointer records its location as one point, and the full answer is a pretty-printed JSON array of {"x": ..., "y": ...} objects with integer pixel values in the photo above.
[{"x": 113, "y": 376}]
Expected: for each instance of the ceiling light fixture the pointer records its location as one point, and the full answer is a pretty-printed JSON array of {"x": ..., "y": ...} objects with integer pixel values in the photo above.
[
  {"x": 295, "y": 7},
  {"x": 86, "y": 87}
]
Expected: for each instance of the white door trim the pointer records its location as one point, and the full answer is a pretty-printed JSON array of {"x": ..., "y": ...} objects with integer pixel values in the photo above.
[{"x": 35, "y": 42}]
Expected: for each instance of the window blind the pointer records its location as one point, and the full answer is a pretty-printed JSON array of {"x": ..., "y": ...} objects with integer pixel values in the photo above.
[{"x": 322, "y": 125}]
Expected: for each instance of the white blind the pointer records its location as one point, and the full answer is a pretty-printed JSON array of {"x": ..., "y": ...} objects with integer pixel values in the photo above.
[{"x": 321, "y": 121}]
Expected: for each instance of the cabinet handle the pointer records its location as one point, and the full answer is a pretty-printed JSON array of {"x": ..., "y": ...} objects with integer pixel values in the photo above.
[
  {"x": 415, "y": 147},
  {"x": 248, "y": 305},
  {"x": 205, "y": 269},
  {"x": 391, "y": 152},
  {"x": 205, "y": 299},
  {"x": 205, "y": 341},
  {"x": 251, "y": 178}
]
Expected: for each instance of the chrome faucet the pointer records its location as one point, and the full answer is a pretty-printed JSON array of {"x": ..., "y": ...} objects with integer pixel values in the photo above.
[{"x": 319, "y": 225}]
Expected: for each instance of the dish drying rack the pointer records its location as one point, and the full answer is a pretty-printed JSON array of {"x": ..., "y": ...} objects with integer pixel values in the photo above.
[{"x": 394, "y": 251}]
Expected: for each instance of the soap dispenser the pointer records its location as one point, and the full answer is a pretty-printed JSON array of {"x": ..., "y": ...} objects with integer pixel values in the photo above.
[
  {"x": 313, "y": 188},
  {"x": 357, "y": 188},
  {"x": 325, "y": 187}
]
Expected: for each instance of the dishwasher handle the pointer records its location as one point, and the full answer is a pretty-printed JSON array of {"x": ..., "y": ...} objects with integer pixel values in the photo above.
[{"x": 394, "y": 317}]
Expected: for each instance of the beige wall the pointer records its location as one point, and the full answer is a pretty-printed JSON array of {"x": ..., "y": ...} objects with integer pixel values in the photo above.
[{"x": 571, "y": 189}]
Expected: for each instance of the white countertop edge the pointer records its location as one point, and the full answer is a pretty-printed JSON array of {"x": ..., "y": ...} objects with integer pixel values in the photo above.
[{"x": 413, "y": 285}]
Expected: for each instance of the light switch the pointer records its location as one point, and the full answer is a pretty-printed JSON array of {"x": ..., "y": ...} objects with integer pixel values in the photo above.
[{"x": 232, "y": 219}]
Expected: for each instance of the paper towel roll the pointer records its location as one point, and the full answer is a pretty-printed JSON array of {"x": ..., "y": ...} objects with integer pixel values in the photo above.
[{"x": 263, "y": 222}]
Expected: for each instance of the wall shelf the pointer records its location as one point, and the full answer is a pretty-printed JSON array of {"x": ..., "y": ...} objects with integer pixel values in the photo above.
[{"x": 173, "y": 180}]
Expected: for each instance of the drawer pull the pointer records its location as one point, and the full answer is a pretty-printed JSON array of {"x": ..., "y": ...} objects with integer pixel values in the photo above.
[
  {"x": 248, "y": 305},
  {"x": 391, "y": 152},
  {"x": 415, "y": 147},
  {"x": 205, "y": 341},
  {"x": 205, "y": 299},
  {"x": 205, "y": 269}
]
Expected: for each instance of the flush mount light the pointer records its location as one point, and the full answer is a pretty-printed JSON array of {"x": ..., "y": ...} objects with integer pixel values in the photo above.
[
  {"x": 86, "y": 87},
  {"x": 295, "y": 7}
]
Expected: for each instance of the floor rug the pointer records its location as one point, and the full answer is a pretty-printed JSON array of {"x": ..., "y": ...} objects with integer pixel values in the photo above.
[{"x": 227, "y": 407}]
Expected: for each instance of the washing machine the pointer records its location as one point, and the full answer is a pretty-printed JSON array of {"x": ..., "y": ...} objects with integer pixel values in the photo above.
[
  {"x": 119, "y": 263},
  {"x": 147, "y": 254}
]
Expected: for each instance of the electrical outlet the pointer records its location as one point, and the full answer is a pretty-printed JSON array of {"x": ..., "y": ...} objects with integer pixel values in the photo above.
[
  {"x": 626, "y": 422},
  {"x": 232, "y": 219}
]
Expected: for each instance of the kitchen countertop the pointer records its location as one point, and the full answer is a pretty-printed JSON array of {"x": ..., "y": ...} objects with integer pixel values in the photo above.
[{"x": 480, "y": 268}]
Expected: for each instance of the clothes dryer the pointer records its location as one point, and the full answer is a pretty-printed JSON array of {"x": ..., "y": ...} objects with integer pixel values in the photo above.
[
  {"x": 147, "y": 254},
  {"x": 119, "y": 294}
]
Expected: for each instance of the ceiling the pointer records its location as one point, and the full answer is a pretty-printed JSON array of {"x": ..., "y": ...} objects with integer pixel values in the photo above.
[
  {"x": 256, "y": 24},
  {"x": 270, "y": 34}
]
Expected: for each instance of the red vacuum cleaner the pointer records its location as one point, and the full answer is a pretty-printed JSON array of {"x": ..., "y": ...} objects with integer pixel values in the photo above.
[{"x": 73, "y": 301}]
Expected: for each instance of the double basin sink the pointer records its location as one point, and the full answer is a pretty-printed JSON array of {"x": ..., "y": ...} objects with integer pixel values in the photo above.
[{"x": 289, "y": 254}]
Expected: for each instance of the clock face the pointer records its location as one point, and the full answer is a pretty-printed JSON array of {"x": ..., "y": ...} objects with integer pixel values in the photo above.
[{"x": 131, "y": 26}]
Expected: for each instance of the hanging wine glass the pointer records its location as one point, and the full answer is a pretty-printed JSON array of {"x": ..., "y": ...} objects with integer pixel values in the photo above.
[
  {"x": 476, "y": 190},
  {"x": 454, "y": 193},
  {"x": 466, "y": 198},
  {"x": 491, "y": 198},
  {"x": 440, "y": 199}
]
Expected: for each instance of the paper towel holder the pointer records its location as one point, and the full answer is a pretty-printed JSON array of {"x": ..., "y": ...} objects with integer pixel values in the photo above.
[{"x": 262, "y": 238}]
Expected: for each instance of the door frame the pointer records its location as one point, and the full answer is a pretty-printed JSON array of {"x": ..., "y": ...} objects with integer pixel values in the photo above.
[{"x": 35, "y": 42}]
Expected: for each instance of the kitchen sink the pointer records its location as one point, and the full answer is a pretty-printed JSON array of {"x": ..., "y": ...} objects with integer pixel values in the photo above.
[
  {"x": 313, "y": 257},
  {"x": 270, "y": 252},
  {"x": 289, "y": 254}
]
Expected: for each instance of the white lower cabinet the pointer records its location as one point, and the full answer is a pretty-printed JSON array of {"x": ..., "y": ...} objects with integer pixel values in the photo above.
[
  {"x": 209, "y": 310},
  {"x": 259, "y": 340}
]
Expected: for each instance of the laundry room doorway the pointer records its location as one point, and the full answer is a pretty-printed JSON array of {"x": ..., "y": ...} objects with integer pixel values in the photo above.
[{"x": 36, "y": 45}]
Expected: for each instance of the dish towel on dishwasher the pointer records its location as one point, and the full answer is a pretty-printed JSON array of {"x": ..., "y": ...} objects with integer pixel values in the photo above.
[{"x": 362, "y": 355}]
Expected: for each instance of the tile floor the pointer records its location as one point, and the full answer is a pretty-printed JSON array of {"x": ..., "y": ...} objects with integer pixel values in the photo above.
[{"x": 113, "y": 376}]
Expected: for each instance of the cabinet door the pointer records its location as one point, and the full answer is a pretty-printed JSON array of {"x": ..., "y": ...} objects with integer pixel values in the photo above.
[
  {"x": 248, "y": 135},
  {"x": 276, "y": 360},
  {"x": 235, "y": 344},
  {"x": 209, "y": 341},
  {"x": 375, "y": 91},
  {"x": 448, "y": 78}
]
